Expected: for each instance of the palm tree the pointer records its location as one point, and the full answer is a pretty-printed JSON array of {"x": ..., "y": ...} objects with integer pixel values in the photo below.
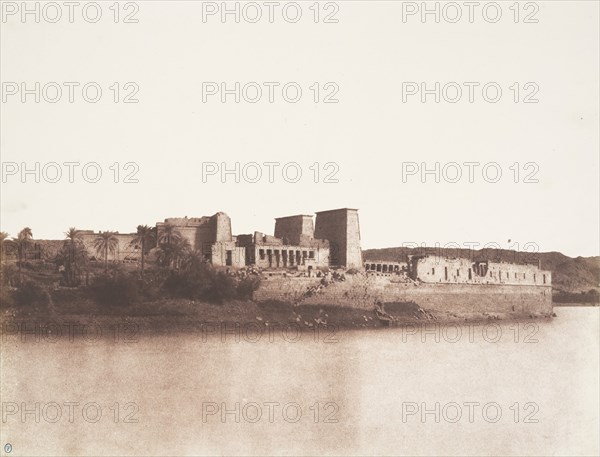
[
  {"x": 169, "y": 234},
  {"x": 172, "y": 253},
  {"x": 171, "y": 246},
  {"x": 145, "y": 237},
  {"x": 3, "y": 237},
  {"x": 193, "y": 260},
  {"x": 106, "y": 242},
  {"x": 21, "y": 242},
  {"x": 72, "y": 257}
]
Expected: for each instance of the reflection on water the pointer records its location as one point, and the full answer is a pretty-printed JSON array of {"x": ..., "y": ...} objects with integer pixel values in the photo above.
[{"x": 504, "y": 389}]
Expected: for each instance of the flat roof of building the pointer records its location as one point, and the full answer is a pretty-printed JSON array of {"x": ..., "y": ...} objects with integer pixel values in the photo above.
[
  {"x": 339, "y": 209},
  {"x": 295, "y": 215}
]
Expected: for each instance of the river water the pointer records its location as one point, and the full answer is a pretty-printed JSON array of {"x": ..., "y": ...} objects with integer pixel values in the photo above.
[{"x": 528, "y": 388}]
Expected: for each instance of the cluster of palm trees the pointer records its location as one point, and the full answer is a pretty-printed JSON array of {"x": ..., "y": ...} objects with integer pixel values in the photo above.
[
  {"x": 172, "y": 248},
  {"x": 107, "y": 242},
  {"x": 20, "y": 243},
  {"x": 73, "y": 255},
  {"x": 145, "y": 238}
]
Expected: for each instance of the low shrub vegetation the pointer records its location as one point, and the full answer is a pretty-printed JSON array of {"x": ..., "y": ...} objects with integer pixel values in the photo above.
[
  {"x": 591, "y": 296},
  {"x": 30, "y": 293},
  {"x": 247, "y": 286},
  {"x": 204, "y": 283},
  {"x": 117, "y": 289}
]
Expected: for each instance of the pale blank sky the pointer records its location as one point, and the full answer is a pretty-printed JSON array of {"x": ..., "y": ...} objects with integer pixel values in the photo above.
[{"x": 368, "y": 134}]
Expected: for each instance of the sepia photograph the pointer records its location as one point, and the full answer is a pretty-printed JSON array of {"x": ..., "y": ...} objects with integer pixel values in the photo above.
[{"x": 300, "y": 228}]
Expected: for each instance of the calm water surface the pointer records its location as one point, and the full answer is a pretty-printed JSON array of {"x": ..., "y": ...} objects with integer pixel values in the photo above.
[{"x": 530, "y": 390}]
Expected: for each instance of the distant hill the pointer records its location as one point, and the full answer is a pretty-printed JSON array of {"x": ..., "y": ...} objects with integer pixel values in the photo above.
[{"x": 570, "y": 275}]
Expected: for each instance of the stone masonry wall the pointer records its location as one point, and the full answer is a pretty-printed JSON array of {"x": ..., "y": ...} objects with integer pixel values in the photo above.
[
  {"x": 124, "y": 251},
  {"x": 298, "y": 255},
  {"x": 361, "y": 291},
  {"x": 342, "y": 229},
  {"x": 294, "y": 229},
  {"x": 440, "y": 270},
  {"x": 283, "y": 289}
]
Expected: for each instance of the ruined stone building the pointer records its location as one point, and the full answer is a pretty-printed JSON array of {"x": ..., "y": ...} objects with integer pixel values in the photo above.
[
  {"x": 124, "y": 251},
  {"x": 296, "y": 243},
  {"x": 443, "y": 270},
  {"x": 302, "y": 243},
  {"x": 385, "y": 267},
  {"x": 432, "y": 269},
  {"x": 210, "y": 235},
  {"x": 341, "y": 227},
  {"x": 331, "y": 239}
]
